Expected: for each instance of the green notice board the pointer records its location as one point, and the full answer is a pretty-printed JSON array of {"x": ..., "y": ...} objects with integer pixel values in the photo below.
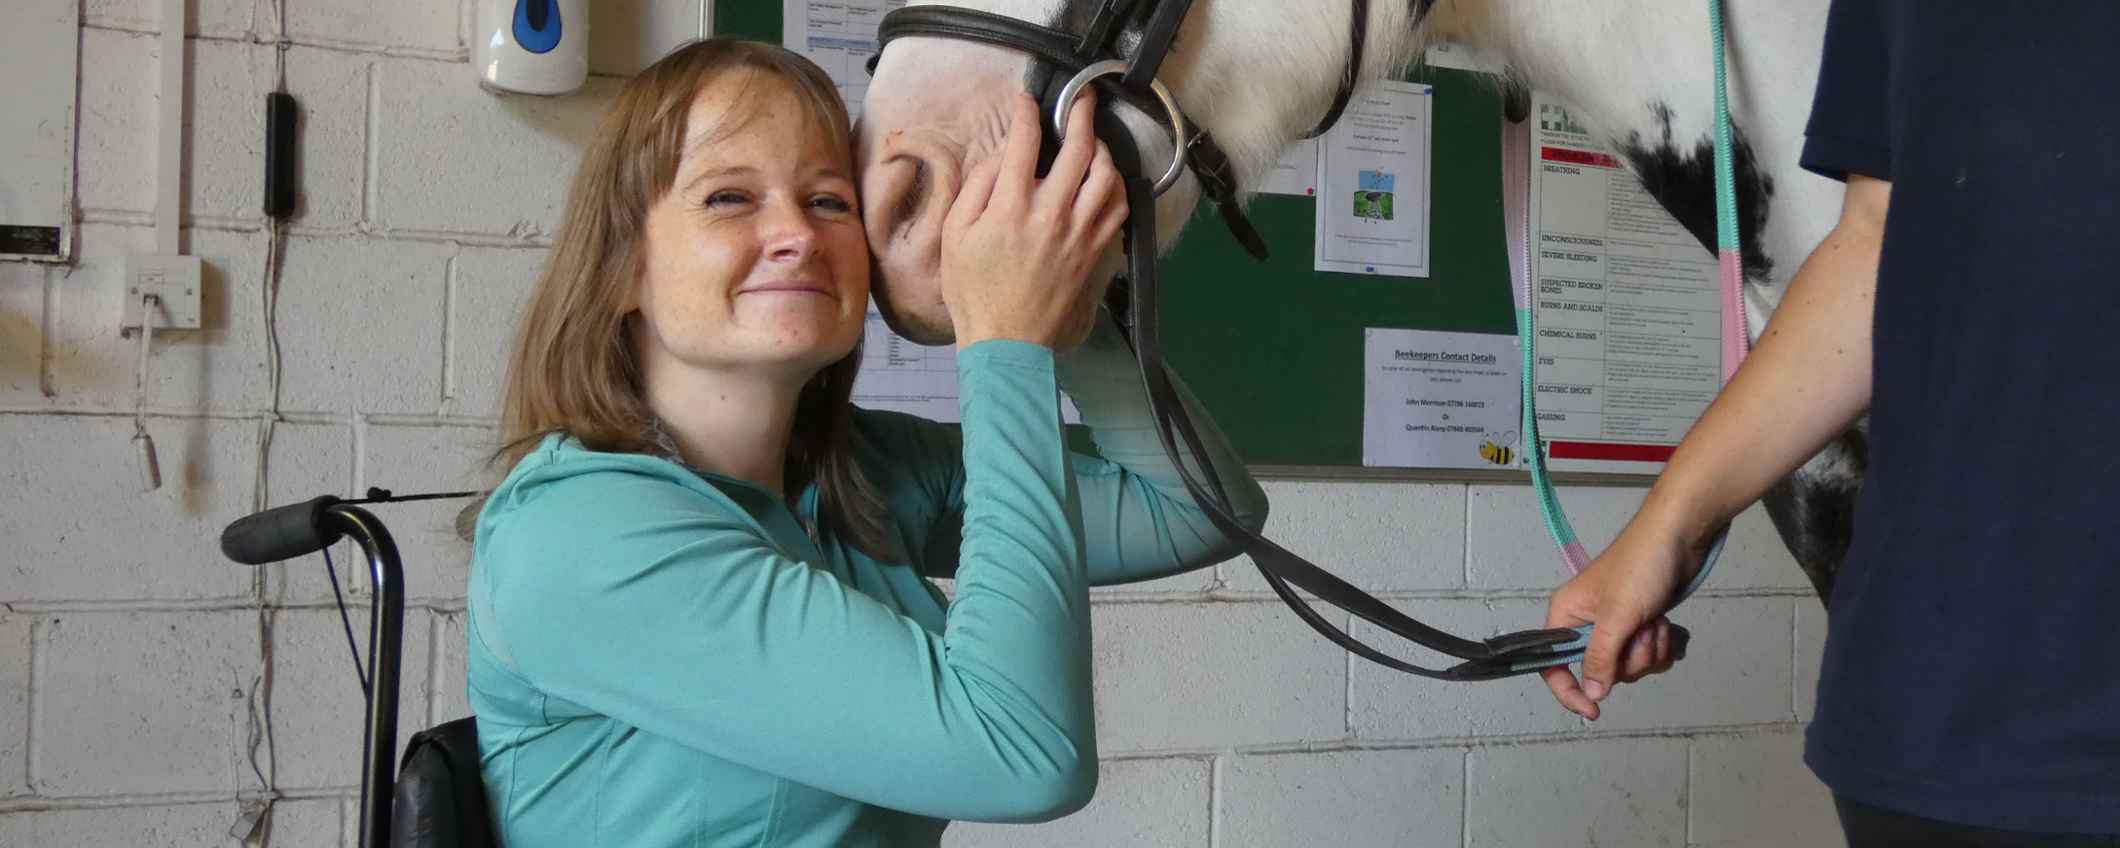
[{"x": 1274, "y": 348}]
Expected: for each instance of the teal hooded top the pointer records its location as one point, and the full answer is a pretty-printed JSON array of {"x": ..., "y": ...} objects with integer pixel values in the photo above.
[{"x": 661, "y": 657}]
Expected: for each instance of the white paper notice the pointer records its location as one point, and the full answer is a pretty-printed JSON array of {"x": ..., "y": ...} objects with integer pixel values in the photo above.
[
  {"x": 840, "y": 36},
  {"x": 1629, "y": 342},
  {"x": 1296, "y": 172},
  {"x": 901, "y": 376},
  {"x": 1448, "y": 54},
  {"x": 1440, "y": 400},
  {"x": 1372, "y": 213}
]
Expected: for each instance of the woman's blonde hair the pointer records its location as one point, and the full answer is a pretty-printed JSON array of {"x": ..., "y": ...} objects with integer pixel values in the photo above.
[{"x": 574, "y": 369}]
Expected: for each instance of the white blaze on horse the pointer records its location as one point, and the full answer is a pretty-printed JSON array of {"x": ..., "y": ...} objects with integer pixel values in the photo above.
[{"x": 1256, "y": 74}]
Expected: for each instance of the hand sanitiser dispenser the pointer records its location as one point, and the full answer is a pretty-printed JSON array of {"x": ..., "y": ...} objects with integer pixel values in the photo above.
[{"x": 532, "y": 46}]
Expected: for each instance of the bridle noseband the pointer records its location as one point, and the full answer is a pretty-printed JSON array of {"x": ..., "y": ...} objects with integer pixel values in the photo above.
[
  {"x": 1092, "y": 57},
  {"x": 1065, "y": 103},
  {"x": 1061, "y": 62}
]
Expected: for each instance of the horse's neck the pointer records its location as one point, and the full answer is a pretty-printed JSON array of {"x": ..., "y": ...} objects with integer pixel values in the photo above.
[
  {"x": 1612, "y": 59},
  {"x": 1638, "y": 73},
  {"x": 1273, "y": 69},
  {"x": 1623, "y": 65},
  {"x": 1635, "y": 71}
]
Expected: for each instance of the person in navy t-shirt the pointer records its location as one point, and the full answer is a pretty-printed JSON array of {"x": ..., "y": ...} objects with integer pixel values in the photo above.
[{"x": 1970, "y": 691}]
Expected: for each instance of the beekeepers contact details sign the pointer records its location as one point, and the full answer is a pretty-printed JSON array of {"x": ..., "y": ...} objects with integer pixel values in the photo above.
[{"x": 1439, "y": 400}]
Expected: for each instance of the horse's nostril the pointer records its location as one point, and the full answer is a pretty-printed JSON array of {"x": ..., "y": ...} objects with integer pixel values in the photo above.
[
  {"x": 898, "y": 193},
  {"x": 915, "y": 192}
]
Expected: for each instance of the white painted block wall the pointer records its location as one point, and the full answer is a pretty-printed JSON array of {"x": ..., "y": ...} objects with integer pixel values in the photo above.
[{"x": 130, "y": 650}]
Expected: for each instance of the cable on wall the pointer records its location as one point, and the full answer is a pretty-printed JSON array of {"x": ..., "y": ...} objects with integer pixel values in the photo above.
[{"x": 253, "y": 825}]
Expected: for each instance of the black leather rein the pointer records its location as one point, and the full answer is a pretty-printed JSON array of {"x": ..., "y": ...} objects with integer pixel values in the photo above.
[{"x": 1058, "y": 57}]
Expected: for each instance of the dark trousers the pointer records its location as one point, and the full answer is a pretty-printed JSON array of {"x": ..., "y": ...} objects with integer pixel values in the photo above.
[{"x": 1873, "y": 827}]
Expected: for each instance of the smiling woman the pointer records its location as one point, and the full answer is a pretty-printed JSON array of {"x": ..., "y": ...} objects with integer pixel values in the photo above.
[
  {"x": 580, "y": 367},
  {"x": 699, "y": 607}
]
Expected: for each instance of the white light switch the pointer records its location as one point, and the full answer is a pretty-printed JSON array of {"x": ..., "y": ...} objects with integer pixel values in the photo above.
[{"x": 173, "y": 280}]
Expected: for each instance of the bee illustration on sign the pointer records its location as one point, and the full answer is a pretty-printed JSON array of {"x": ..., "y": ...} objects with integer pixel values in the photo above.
[{"x": 1500, "y": 450}]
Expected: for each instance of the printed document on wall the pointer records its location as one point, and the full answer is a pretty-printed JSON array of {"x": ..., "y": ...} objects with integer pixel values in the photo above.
[
  {"x": 1629, "y": 341},
  {"x": 1372, "y": 215},
  {"x": 1440, "y": 400},
  {"x": 901, "y": 376},
  {"x": 1463, "y": 57},
  {"x": 839, "y": 36},
  {"x": 1296, "y": 172}
]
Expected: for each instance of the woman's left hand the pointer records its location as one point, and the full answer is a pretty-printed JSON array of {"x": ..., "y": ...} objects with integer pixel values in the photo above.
[{"x": 1017, "y": 251}]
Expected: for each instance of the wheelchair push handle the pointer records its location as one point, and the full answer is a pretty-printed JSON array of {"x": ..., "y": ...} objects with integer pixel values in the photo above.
[
  {"x": 300, "y": 529},
  {"x": 283, "y": 532}
]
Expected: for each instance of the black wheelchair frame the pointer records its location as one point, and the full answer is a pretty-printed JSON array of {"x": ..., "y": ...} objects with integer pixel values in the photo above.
[{"x": 434, "y": 798}]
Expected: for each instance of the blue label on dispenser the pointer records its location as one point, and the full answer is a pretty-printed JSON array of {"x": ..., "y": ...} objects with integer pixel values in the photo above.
[{"x": 537, "y": 25}]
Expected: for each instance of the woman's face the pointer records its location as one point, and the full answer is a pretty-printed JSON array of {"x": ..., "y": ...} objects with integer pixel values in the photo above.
[{"x": 755, "y": 262}]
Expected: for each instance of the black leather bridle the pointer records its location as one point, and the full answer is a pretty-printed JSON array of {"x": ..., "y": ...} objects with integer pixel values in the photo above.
[{"x": 1062, "y": 63}]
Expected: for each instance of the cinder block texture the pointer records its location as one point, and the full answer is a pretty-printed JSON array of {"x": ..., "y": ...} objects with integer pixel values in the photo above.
[
  {"x": 525, "y": 150},
  {"x": 1613, "y": 792},
  {"x": 1382, "y": 537},
  {"x": 14, "y": 702},
  {"x": 492, "y": 289},
  {"x": 1405, "y": 797},
  {"x": 307, "y": 460},
  {"x": 1736, "y": 670},
  {"x": 216, "y": 18},
  {"x": 21, "y": 333},
  {"x": 115, "y": 137},
  {"x": 426, "y": 28},
  {"x": 218, "y": 367},
  {"x": 331, "y": 89},
  {"x": 1754, "y": 792},
  {"x": 143, "y": 702},
  {"x": 224, "y": 131},
  {"x": 362, "y": 325},
  {"x": 124, "y": 827},
  {"x": 1810, "y": 649},
  {"x": 1388, "y": 705},
  {"x": 1508, "y": 546},
  {"x": 79, "y": 527},
  {"x": 452, "y": 700},
  {"x": 317, "y": 702},
  {"x": 428, "y": 459},
  {"x": 308, "y": 823},
  {"x": 1147, "y": 803},
  {"x": 224, "y": 126},
  {"x": 1190, "y": 676}
]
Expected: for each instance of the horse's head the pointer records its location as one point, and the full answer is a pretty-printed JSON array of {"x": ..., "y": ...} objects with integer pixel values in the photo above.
[{"x": 1254, "y": 73}]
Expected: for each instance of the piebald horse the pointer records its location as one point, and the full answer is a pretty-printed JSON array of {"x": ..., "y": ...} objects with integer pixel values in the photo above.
[{"x": 1256, "y": 74}]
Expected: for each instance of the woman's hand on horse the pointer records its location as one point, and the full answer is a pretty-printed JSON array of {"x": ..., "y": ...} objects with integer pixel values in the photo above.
[
  {"x": 1623, "y": 592},
  {"x": 1017, "y": 251}
]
